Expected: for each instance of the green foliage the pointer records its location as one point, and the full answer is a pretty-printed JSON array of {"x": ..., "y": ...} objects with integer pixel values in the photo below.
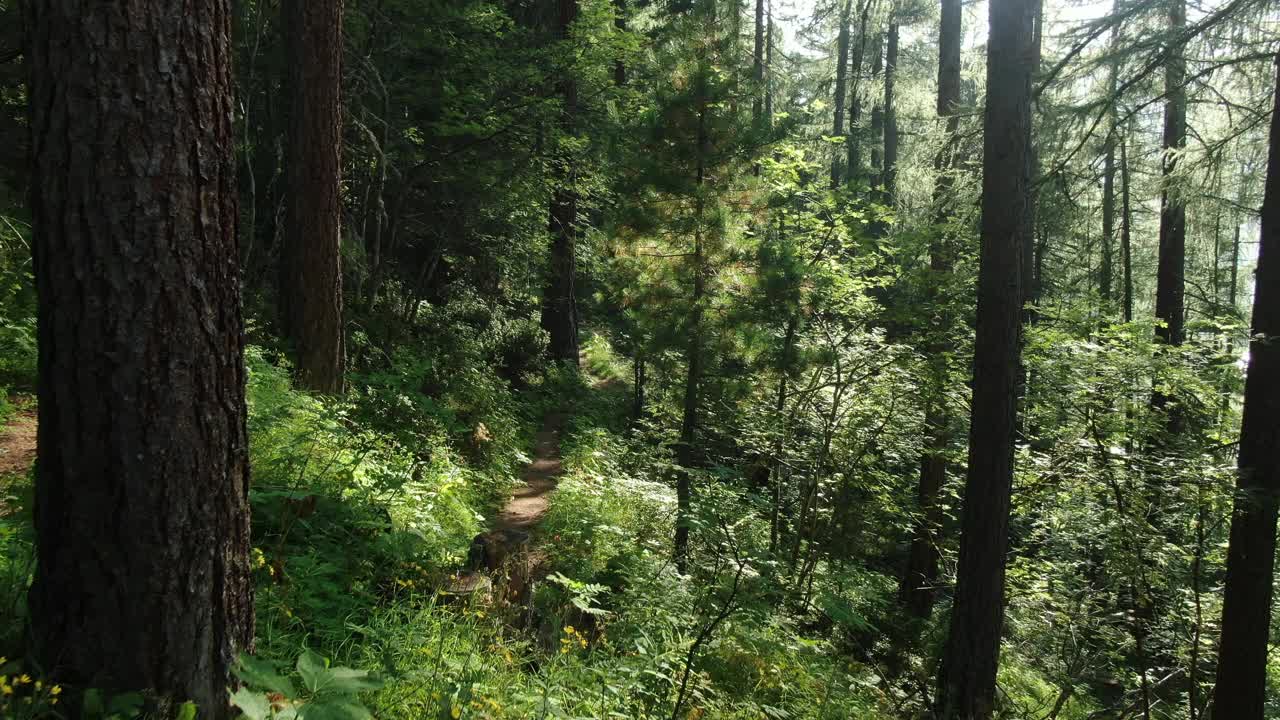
[{"x": 327, "y": 693}]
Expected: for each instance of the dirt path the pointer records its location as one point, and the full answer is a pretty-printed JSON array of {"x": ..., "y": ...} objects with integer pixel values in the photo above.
[
  {"x": 530, "y": 501},
  {"x": 505, "y": 551},
  {"x": 18, "y": 443}
]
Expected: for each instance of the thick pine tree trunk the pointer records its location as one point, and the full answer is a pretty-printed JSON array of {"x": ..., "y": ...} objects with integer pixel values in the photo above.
[
  {"x": 310, "y": 265},
  {"x": 967, "y": 676},
  {"x": 917, "y": 587},
  {"x": 1246, "y": 609},
  {"x": 842, "y": 66},
  {"x": 1173, "y": 214},
  {"x": 559, "y": 299},
  {"x": 142, "y": 515}
]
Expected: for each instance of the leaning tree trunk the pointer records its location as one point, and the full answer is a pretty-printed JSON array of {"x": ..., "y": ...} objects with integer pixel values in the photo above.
[
  {"x": 917, "y": 587},
  {"x": 559, "y": 300},
  {"x": 142, "y": 579},
  {"x": 1246, "y": 605},
  {"x": 967, "y": 676},
  {"x": 310, "y": 265}
]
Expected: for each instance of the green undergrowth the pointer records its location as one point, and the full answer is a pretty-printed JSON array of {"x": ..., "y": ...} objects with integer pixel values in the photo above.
[{"x": 354, "y": 575}]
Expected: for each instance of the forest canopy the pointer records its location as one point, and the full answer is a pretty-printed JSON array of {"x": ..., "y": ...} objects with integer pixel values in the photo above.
[{"x": 688, "y": 359}]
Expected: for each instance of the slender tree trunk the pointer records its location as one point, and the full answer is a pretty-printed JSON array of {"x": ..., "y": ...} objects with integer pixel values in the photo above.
[
  {"x": 142, "y": 579},
  {"x": 967, "y": 676},
  {"x": 1246, "y": 607},
  {"x": 768, "y": 66},
  {"x": 686, "y": 454},
  {"x": 917, "y": 587},
  {"x": 779, "y": 410},
  {"x": 842, "y": 66},
  {"x": 1105, "y": 279},
  {"x": 757, "y": 71},
  {"x": 559, "y": 299},
  {"x": 1126, "y": 240},
  {"x": 310, "y": 265},
  {"x": 1232, "y": 289},
  {"x": 852, "y": 144},
  {"x": 620, "y": 24},
  {"x": 889, "y": 178},
  {"x": 877, "y": 111}
]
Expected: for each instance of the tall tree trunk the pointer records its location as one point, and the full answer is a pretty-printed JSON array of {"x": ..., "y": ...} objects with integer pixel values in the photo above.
[
  {"x": 311, "y": 262},
  {"x": 1173, "y": 214},
  {"x": 1246, "y": 605},
  {"x": 142, "y": 579},
  {"x": 842, "y": 66},
  {"x": 967, "y": 676},
  {"x": 852, "y": 144},
  {"x": 559, "y": 299},
  {"x": 1126, "y": 238},
  {"x": 1105, "y": 279},
  {"x": 876, "y": 130},
  {"x": 768, "y": 66},
  {"x": 889, "y": 178},
  {"x": 917, "y": 587},
  {"x": 757, "y": 71},
  {"x": 686, "y": 453},
  {"x": 620, "y": 24}
]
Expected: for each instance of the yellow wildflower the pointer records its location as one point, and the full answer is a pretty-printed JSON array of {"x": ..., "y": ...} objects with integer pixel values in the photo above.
[
  {"x": 456, "y": 712},
  {"x": 55, "y": 690}
]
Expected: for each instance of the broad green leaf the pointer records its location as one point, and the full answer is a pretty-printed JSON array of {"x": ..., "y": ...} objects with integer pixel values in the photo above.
[
  {"x": 314, "y": 670},
  {"x": 337, "y": 709},
  {"x": 350, "y": 680},
  {"x": 262, "y": 674},
  {"x": 254, "y": 705}
]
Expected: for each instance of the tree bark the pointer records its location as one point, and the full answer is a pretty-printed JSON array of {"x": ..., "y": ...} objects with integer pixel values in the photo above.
[
  {"x": 142, "y": 579},
  {"x": 967, "y": 676},
  {"x": 1126, "y": 238},
  {"x": 842, "y": 66},
  {"x": 1246, "y": 607},
  {"x": 877, "y": 111},
  {"x": 917, "y": 587},
  {"x": 853, "y": 167},
  {"x": 889, "y": 178},
  {"x": 1173, "y": 214},
  {"x": 757, "y": 70},
  {"x": 310, "y": 265},
  {"x": 686, "y": 453},
  {"x": 559, "y": 300}
]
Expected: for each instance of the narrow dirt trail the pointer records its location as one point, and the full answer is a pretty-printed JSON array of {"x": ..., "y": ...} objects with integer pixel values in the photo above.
[
  {"x": 531, "y": 500},
  {"x": 505, "y": 552}
]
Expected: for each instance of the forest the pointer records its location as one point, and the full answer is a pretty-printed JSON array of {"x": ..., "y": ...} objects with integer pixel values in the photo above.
[{"x": 653, "y": 359}]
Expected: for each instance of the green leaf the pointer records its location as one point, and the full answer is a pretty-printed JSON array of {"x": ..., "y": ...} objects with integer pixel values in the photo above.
[
  {"x": 255, "y": 706},
  {"x": 350, "y": 680},
  {"x": 337, "y": 709},
  {"x": 314, "y": 670},
  {"x": 187, "y": 711},
  {"x": 262, "y": 674}
]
